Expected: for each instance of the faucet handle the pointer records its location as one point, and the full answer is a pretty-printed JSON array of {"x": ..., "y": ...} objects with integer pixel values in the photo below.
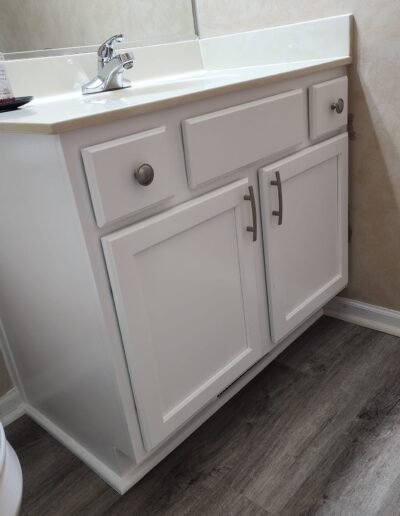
[{"x": 106, "y": 50}]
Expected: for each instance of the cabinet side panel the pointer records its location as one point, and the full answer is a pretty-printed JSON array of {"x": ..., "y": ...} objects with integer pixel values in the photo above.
[{"x": 48, "y": 302}]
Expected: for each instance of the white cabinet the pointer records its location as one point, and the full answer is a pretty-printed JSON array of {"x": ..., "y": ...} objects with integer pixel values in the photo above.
[
  {"x": 122, "y": 379},
  {"x": 184, "y": 284},
  {"x": 304, "y": 214}
]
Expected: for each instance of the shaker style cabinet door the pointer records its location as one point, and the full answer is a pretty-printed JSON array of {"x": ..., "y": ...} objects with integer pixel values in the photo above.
[
  {"x": 304, "y": 213},
  {"x": 184, "y": 285}
]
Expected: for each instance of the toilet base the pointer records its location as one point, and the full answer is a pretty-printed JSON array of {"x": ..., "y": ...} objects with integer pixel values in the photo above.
[{"x": 10, "y": 483}]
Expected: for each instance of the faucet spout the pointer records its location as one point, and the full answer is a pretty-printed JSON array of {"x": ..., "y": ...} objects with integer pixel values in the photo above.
[{"x": 113, "y": 71}]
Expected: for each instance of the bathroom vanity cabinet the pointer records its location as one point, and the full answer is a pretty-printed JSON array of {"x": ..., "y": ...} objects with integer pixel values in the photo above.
[{"x": 151, "y": 266}]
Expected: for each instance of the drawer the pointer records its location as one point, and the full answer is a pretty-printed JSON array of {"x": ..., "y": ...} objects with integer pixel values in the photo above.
[
  {"x": 110, "y": 170},
  {"x": 326, "y": 115},
  {"x": 220, "y": 142}
]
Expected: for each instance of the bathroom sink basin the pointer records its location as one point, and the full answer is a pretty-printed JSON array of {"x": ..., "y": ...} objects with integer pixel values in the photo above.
[
  {"x": 174, "y": 85},
  {"x": 143, "y": 91}
]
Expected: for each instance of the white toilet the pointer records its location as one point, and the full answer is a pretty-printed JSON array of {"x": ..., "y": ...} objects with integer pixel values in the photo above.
[{"x": 10, "y": 478}]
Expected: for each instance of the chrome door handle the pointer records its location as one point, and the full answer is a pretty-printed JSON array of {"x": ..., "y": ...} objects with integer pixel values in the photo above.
[
  {"x": 278, "y": 213},
  {"x": 250, "y": 197},
  {"x": 338, "y": 106}
]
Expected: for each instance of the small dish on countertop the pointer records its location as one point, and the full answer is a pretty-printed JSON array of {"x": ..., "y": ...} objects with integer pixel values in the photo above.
[{"x": 12, "y": 104}]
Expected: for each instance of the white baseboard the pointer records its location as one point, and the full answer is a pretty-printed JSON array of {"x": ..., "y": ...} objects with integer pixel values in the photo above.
[
  {"x": 11, "y": 407},
  {"x": 363, "y": 314}
]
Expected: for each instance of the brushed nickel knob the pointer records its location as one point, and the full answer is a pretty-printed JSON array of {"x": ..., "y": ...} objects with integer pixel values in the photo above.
[
  {"x": 338, "y": 106},
  {"x": 144, "y": 175}
]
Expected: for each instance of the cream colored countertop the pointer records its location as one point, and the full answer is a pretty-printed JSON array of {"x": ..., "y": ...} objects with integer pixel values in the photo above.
[{"x": 173, "y": 74}]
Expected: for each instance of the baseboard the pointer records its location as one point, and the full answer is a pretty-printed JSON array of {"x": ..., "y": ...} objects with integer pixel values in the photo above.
[
  {"x": 11, "y": 407},
  {"x": 364, "y": 314}
]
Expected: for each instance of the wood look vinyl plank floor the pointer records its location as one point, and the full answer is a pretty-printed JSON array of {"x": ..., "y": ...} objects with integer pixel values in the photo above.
[{"x": 316, "y": 433}]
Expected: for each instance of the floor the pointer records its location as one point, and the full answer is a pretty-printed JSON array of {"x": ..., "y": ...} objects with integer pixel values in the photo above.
[{"x": 316, "y": 433}]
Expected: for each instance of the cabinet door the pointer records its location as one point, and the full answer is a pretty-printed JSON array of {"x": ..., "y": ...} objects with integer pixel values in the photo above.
[
  {"x": 305, "y": 255},
  {"x": 185, "y": 291}
]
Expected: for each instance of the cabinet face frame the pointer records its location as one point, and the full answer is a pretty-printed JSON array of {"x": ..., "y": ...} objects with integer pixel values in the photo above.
[
  {"x": 122, "y": 250},
  {"x": 286, "y": 314}
]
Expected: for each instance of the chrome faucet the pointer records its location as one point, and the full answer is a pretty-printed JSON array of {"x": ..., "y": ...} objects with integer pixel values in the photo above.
[{"x": 110, "y": 68}]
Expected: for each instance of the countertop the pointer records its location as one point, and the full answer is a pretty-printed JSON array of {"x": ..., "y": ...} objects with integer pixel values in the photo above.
[{"x": 205, "y": 68}]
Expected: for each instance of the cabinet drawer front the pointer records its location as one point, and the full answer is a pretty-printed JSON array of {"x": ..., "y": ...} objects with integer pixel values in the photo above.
[
  {"x": 220, "y": 142},
  {"x": 306, "y": 247},
  {"x": 185, "y": 290},
  {"x": 110, "y": 169},
  {"x": 324, "y": 117}
]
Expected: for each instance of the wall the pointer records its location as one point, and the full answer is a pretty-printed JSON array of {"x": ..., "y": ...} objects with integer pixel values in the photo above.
[
  {"x": 39, "y": 24},
  {"x": 375, "y": 103},
  {"x": 5, "y": 382}
]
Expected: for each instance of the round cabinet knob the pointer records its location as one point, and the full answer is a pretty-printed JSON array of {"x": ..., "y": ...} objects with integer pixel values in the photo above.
[
  {"x": 338, "y": 106},
  {"x": 144, "y": 175}
]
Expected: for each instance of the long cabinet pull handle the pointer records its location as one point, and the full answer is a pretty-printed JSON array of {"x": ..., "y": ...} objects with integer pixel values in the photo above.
[
  {"x": 250, "y": 197},
  {"x": 278, "y": 213}
]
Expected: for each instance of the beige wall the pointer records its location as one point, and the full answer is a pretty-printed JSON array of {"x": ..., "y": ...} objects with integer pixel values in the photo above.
[
  {"x": 375, "y": 103},
  {"x": 38, "y": 24}
]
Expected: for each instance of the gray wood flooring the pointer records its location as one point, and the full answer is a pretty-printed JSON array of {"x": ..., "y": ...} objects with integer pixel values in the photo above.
[{"x": 316, "y": 433}]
